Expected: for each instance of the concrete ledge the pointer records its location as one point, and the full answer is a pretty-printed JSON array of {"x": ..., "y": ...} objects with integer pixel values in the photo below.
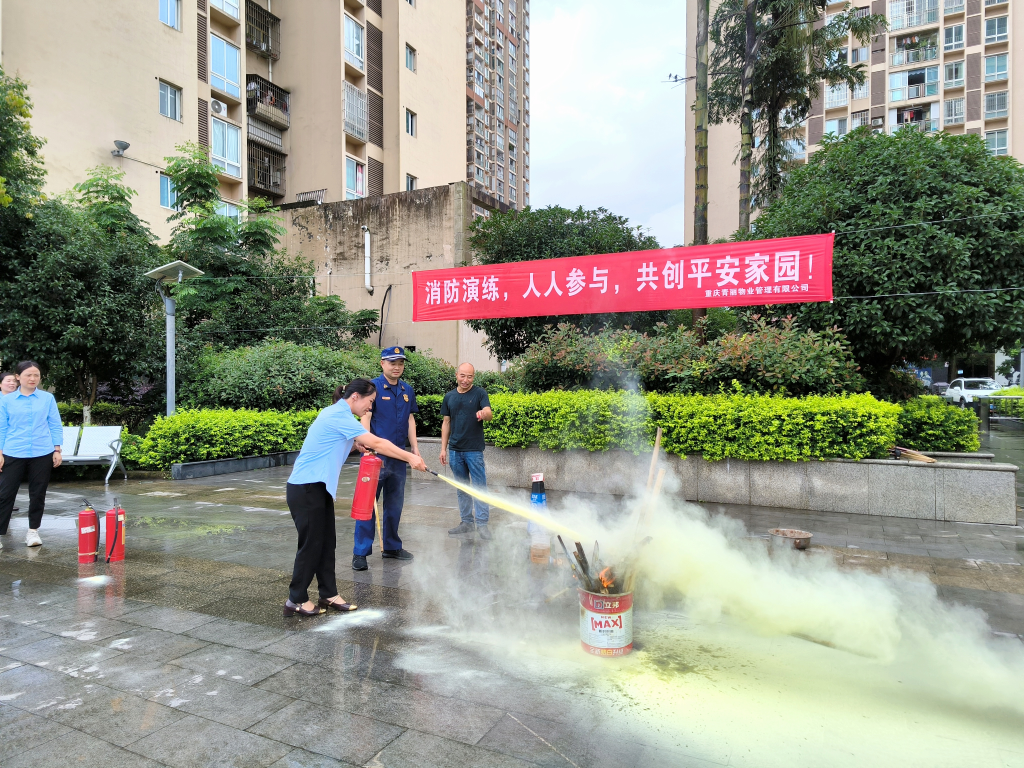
[
  {"x": 972, "y": 491},
  {"x": 194, "y": 469}
]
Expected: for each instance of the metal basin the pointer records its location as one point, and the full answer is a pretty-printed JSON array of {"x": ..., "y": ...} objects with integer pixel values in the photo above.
[{"x": 791, "y": 537}]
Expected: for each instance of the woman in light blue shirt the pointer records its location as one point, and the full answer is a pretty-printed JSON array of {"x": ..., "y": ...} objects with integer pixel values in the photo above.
[
  {"x": 313, "y": 486},
  {"x": 30, "y": 438}
]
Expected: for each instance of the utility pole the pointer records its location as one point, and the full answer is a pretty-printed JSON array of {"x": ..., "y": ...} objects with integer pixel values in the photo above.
[{"x": 700, "y": 131}]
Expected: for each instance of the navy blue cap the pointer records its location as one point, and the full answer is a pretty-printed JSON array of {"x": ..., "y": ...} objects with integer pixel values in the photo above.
[{"x": 392, "y": 353}]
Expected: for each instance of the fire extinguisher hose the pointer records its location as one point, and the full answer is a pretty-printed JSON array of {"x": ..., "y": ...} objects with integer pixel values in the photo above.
[{"x": 117, "y": 528}]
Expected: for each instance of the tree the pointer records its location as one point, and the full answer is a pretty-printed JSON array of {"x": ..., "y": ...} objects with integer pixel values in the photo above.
[
  {"x": 769, "y": 60},
  {"x": 251, "y": 291},
  {"x": 700, "y": 126},
  {"x": 76, "y": 299},
  {"x": 929, "y": 236},
  {"x": 551, "y": 233}
]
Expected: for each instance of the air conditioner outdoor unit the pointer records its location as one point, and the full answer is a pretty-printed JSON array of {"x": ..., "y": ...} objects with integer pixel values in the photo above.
[
  {"x": 218, "y": 107},
  {"x": 877, "y": 121}
]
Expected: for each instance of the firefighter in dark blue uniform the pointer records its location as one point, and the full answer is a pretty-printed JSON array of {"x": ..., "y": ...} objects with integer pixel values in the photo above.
[{"x": 391, "y": 419}]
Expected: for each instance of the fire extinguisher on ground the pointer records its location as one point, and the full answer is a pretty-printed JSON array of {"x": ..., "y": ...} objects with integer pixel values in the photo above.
[
  {"x": 366, "y": 487},
  {"x": 88, "y": 534},
  {"x": 114, "y": 541}
]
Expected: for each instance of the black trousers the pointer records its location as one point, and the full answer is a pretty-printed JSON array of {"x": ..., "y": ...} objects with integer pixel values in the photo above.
[
  {"x": 38, "y": 470},
  {"x": 312, "y": 509}
]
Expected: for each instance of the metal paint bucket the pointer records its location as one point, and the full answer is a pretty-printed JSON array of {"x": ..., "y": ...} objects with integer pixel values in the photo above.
[{"x": 606, "y": 623}]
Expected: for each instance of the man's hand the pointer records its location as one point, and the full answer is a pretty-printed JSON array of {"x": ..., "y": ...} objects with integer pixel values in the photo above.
[
  {"x": 1, "y": 462},
  {"x": 444, "y": 457},
  {"x": 480, "y": 415},
  {"x": 418, "y": 463},
  {"x": 56, "y": 458}
]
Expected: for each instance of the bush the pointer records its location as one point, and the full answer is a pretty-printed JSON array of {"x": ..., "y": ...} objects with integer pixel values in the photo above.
[
  {"x": 426, "y": 375},
  {"x": 1010, "y": 407},
  {"x": 928, "y": 423},
  {"x": 191, "y": 435},
  {"x": 770, "y": 428},
  {"x": 106, "y": 415},
  {"x": 428, "y": 420}
]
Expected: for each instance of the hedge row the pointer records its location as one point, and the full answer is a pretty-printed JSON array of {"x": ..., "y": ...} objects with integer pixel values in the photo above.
[{"x": 732, "y": 425}]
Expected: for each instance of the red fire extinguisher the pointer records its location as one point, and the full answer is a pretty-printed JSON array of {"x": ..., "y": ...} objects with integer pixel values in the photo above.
[
  {"x": 114, "y": 541},
  {"x": 88, "y": 534},
  {"x": 366, "y": 487}
]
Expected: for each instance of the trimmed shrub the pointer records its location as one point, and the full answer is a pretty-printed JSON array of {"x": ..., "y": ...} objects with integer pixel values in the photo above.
[
  {"x": 192, "y": 435},
  {"x": 928, "y": 423},
  {"x": 1010, "y": 407}
]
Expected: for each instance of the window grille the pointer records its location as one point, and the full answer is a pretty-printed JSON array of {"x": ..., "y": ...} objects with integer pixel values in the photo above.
[
  {"x": 262, "y": 31},
  {"x": 267, "y": 101},
  {"x": 266, "y": 170},
  {"x": 265, "y": 133},
  {"x": 996, "y": 105},
  {"x": 355, "y": 112}
]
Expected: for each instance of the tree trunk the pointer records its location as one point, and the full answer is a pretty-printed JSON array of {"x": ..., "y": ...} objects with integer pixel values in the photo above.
[
  {"x": 700, "y": 127},
  {"x": 89, "y": 401},
  {"x": 746, "y": 118}
]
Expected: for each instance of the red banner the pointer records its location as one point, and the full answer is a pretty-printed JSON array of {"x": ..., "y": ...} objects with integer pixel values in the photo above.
[{"x": 783, "y": 271}]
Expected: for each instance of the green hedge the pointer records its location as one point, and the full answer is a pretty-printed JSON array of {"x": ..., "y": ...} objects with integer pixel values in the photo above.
[
  {"x": 428, "y": 420},
  {"x": 1010, "y": 407},
  {"x": 219, "y": 434},
  {"x": 105, "y": 415},
  {"x": 928, "y": 423}
]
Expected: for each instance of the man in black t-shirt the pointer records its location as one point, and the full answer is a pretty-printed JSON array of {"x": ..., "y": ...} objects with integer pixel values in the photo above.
[{"x": 465, "y": 409}]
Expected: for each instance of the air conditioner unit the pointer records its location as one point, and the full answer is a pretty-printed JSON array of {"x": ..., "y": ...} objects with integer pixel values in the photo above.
[
  {"x": 218, "y": 107},
  {"x": 877, "y": 121}
]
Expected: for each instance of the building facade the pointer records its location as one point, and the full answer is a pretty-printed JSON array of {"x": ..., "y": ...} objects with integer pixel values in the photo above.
[
  {"x": 944, "y": 65},
  {"x": 498, "y": 100}
]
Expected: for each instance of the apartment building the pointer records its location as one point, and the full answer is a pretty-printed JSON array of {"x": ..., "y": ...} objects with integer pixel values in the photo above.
[
  {"x": 296, "y": 100},
  {"x": 498, "y": 101},
  {"x": 944, "y": 65}
]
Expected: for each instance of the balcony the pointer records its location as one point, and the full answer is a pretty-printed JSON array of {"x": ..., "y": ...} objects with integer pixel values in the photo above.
[
  {"x": 954, "y": 6},
  {"x": 920, "y": 13},
  {"x": 262, "y": 31},
  {"x": 267, "y": 101},
  {"x": 914, "y": 55},
  {"x": 925, "y": 126},
  {"x": 355, "y": 112},
  {"x": 266, "y": 170}
]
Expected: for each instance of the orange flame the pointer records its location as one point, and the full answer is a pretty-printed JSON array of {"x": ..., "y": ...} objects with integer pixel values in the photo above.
[{"x": 606, "y": 578}]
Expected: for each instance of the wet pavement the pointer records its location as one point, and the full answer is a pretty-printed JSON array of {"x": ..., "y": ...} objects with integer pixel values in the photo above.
[{"x": 179, "y": 656}]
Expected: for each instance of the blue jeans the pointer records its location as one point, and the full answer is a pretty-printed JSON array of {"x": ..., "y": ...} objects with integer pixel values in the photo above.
[{"x": 468, "y": 467}]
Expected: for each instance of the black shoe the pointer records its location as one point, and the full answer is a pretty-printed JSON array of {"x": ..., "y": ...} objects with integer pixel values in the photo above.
[
  {"x": 397, "y": 554},
  {"x": 359, "y": 563},
  {"x": 483, "y": 532},
  {"x": 461, "y": 528}
]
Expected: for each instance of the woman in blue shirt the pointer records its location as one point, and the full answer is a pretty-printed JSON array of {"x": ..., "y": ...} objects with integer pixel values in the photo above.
[
  {"x": 30, "y": 438},
  {"x": 313, "y": 486}
]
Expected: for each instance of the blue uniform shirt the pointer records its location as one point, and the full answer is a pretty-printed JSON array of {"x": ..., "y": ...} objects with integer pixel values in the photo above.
[
  {"x": 328, "y": 443},
  {"x": 391, "y": 408},
  {"x": 29, "y": 424}
]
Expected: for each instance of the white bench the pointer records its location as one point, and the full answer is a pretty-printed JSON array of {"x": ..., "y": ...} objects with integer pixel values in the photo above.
[{"x": 98, "y": 445}]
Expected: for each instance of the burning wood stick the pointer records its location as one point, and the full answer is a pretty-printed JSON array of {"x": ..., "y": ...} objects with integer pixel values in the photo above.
[
  {"x": 575, "y": 572},
  {"x": 654, "y": 458}
]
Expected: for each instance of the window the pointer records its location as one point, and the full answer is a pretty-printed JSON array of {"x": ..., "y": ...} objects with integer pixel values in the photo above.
[
  {"x": 354, "y": 50},
  {"x": 913, "y": 84},
  {"x": 410, "y": 182},
  {"x": 170, "y": 13},
  {"x": 995, "y": 30},
  {"x": 862, "y": 91},
  {"x": 170, "y": 101},
  {"x": 355, "y": 175},
  {"x": 859, "y": 119},
  {"x": 168, "y": 195},
  {"x": 954, "y": 38},
  {"x": 995, "y": 68},
  {"x": 859, "y": 55},
  {"x": 954, "y": 111},
  {"x": 230, "y": 7},
  {"x": 954, "y": 74},
  {"x": 230, "y": 210},
  {"x": 996, "y": 105},
  {"x": 836, "y": 127},
  {"x": 410, "y": 122},
  {"x": 224, "y": 66},
  {"x": 226, "y": 152},
  {"x": 836, "y": 96},
  {"x": 912, "y": 13},
  {"x": 995, "y": 141},
  {"x": 410, "y": 58}
]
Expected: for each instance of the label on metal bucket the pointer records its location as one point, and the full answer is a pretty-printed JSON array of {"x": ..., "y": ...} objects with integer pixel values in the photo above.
[
  {"x": 90, "y": 529},
  {"x": 606, "y": 623}
]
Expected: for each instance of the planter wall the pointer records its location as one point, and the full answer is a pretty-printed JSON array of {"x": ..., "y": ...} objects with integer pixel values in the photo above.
[
  {"x": 193, "y": 469},
  {"x": 974, "y": 490}
]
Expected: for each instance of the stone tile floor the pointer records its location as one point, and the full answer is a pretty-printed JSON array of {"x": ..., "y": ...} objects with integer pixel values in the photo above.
[{"x": 179, "y": 656}]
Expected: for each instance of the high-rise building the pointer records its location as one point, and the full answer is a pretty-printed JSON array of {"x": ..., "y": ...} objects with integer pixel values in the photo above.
[
  {"x": 944, "y": 65},
  {"x": 295, "y": 100},
  {"x": 498, "y": 100}
]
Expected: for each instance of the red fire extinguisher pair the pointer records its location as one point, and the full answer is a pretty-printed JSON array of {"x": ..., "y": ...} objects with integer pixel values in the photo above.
[{"x": 89, "y": 534}]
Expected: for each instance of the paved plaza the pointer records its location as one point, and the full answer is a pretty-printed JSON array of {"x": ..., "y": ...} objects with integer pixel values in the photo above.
[{"x": 464, "y": 657}]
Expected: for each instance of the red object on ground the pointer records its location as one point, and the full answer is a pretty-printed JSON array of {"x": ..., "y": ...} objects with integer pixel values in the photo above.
[
  {"x": 366, "y": 487},
  {"x": 113, "y": 541},
  {"x": 785, "y": 270},
  {"x": 88, "y": 535},
  {"x": 606, "y": 623}
]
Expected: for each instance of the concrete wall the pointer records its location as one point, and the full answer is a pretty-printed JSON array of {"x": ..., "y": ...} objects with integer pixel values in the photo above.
[
  {"x": 948, "y": 491},
  {"x": 424, "y": 229}
]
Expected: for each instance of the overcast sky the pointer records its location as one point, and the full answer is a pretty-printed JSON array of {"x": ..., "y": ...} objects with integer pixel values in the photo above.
[{"x": 606, "y": 130}]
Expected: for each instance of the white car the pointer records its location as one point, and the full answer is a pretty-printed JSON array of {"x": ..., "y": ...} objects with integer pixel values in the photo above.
[{"x": 963, "y": 391}]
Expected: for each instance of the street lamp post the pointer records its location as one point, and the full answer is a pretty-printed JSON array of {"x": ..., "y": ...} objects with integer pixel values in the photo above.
[{"x": 175, "y": 272}]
